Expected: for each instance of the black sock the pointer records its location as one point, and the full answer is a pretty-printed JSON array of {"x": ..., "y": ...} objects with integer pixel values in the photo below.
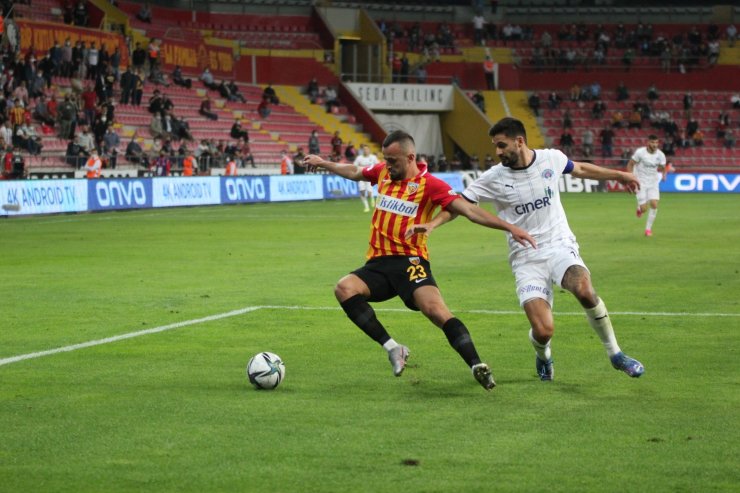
[
  {"x": 459, "y": 338},
  {"x": 362, "y": 314}
]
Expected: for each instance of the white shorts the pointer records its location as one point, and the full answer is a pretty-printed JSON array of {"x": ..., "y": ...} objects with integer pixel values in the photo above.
[
  {"x": 364, "y": 186},
  {"x": 536, "y": 271},
  {"x": 645, "y": 194}
]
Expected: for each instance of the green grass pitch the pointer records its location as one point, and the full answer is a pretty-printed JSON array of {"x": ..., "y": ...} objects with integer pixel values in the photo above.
[{"x": 173, "y": 410}]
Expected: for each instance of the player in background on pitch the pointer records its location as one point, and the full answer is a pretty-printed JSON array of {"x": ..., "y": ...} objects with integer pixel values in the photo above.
[
  {"x": 524, "y": 190},
  {"x": 649, "y": 165},
  {"x": 364, "y": 160},
  {"x": 407, "y": 195}
]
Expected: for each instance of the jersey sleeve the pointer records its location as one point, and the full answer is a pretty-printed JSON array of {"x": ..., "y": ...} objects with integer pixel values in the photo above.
[
  {"x": 561, "y": 161},
  {"x": 661, "y": 159},
  {"x": 440, "y": 192},
  {"x": 636, "y": 156},
  {"x": 480, "y": 190},
  {"x": 371, "y": 173}
]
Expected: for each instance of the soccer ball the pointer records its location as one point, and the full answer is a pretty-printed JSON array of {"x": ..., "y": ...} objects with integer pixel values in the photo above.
[{"x": 265, "y": 370}]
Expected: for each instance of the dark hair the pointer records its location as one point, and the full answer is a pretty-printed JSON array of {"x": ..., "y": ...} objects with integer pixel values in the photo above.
[
  {"x": 399, "y": 136},
  {"x": 510, "y": 127},
  {"x": 652, "y": 137}
]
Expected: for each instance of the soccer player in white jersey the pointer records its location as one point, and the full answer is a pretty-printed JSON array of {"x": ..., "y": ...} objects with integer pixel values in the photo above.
[
  {"x": 524, "y": 190},
  {"x": 648, "y": 164},
  {"x": 364, "y": 160}
]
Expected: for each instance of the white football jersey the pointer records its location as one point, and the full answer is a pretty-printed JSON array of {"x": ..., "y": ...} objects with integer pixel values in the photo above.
[
  {"x": 365, "y": 161},
  {"x": 528, "y": 198},
  {"x": 646, "y": 166}
]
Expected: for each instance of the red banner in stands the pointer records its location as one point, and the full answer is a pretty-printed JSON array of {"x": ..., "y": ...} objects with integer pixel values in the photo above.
[
  {"x": 197, "y": 56},
  {"x": 41, "y": 36}
]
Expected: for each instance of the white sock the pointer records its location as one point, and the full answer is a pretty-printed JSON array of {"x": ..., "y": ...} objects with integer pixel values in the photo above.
[
  {"x": 390, "y": 344},
  {"x": 598, "y": 319},
  {"x": 364, "y": 201},
  {"x": 543, "y": 350},
  {"x": 651, "y": 218}
]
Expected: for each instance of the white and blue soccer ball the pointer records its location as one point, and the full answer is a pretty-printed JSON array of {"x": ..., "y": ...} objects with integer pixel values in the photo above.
[{"x": 265, "y": 370}]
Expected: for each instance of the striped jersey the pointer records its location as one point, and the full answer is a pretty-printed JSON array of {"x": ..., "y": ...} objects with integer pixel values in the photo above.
[{"x": 401, "y": 204}]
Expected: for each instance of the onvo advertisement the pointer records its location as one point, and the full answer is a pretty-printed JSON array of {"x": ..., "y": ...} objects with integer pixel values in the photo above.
[
  {"x": 245, "y": 189},
  {"x": 296, "y": 187},
  {"x": 338, "y": 187},
  {"x": 701, "y": 182},
  {"x": 171, "y": 192},
  {"x": 42, "y": 196},
  {"x": 112, "y": 194}
]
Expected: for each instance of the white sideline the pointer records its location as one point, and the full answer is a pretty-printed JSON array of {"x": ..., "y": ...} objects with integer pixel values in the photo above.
[
  {"x": 129, "y": 335},
  {"x": 241, "y": 311}
]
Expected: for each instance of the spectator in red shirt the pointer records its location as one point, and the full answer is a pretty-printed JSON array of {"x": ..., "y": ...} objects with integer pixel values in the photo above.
[
  {"x": 336, "y": 144},
  {"x": 7, "y": 164},
  {"x": 264, "y": 108},
  {"x": 89, "y": 101}
]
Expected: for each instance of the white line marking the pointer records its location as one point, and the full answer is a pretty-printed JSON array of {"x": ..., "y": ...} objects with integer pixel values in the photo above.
[
  {"x": 515, "y": 312},
  {"x": 129, "y": 335},
  {"x": 504, "y": 103},
  {"x": 242, "y": 311},
  {"x": 637, "y": 314}
]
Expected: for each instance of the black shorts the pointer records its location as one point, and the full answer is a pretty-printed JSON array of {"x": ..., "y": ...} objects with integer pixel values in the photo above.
[{"x": 396, "y": 275}]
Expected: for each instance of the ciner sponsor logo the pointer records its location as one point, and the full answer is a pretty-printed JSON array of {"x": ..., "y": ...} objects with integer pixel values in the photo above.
[{"x": 532, "y": 206}]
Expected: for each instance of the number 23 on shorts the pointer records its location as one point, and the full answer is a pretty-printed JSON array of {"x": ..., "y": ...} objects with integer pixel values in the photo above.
[{"x": 416, "y": 272}]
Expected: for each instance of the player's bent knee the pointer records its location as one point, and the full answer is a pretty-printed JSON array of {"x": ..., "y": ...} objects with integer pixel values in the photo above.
[
  {"x": 434, "y": 309},
  {"x": 348, "y": 287},
  {"x": 543, "y": 331}
]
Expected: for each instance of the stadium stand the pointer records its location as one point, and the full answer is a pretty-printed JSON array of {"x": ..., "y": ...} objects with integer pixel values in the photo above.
[{"x": 287, "y": 41}]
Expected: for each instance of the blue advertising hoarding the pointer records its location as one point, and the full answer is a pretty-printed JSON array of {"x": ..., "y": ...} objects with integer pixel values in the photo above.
[
  {"x": 336, "y": 187},
  {"x": 701, "y": 182},
  {"x": 245, "y": 189},
  {"x": 125, "y": 193},
  {"x": 22, "y": 197}
]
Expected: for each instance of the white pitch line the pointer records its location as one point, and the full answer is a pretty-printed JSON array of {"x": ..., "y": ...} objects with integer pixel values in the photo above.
[
  {"x": 637, "y": 314},
  {"x": 515, "y": 312},
  {"x": 241, "y": 311},
  {"x": 129, "y": 335}
]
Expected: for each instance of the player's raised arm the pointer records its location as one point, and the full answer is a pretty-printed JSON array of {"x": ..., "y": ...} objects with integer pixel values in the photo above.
[
  {"x": 349, "y": 171},
  {"x": 593, "y": 172},
  {"x": 481, "y": 216}
]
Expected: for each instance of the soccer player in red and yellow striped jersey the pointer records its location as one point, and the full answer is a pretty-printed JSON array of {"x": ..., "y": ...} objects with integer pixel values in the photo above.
[{"x": 407, "y": 195}]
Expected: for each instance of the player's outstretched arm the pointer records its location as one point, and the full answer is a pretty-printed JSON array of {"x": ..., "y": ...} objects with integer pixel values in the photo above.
[
  {"x": 349, "y": 171},
  {"x": 426, "y": 228},
  {"x": 481, "y": 216},
  {"x": 593, "y": 172}
]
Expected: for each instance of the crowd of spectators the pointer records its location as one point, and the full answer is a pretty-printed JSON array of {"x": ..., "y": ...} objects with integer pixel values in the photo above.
[
  {"x": 83, "y": 113},
  {"x": 583, "y": 47},
  {"x": 413, "y": 38},
  {"x": 606, "y": 125}
]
